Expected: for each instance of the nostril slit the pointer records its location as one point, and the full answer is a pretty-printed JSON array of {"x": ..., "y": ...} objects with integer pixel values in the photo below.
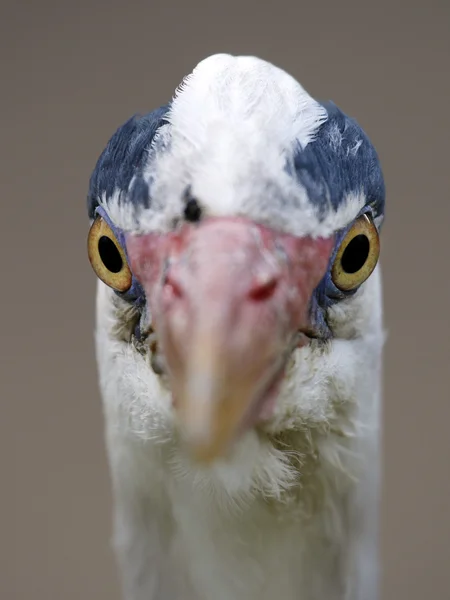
[
  {"x": 263, "y": 290},
  {"x": 172, "y": 287}
]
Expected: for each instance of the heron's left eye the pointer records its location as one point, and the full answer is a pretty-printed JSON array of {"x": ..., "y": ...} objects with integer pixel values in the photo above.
[
  {"x": 357, "y": 255},
  {"x": 107, "y": 256}
]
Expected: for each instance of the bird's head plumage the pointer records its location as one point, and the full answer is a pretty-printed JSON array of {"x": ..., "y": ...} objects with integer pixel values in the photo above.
[{"x": 237, "y": 232}]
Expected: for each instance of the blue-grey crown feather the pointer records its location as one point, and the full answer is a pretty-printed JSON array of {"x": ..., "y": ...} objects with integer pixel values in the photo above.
[
  {"x": 340, "y": 160},
  {"x": 124, "y": 157}
]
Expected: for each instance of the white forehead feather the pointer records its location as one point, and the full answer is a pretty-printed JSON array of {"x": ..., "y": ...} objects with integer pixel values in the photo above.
[
  {"x": 233, "y": 126},
  {"x": 244, "y": 92}
]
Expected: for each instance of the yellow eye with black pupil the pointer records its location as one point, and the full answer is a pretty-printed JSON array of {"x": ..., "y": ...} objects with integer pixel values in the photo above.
[
  {"x": 107, "y": 256},
  {"x": 357, "y": 256}
]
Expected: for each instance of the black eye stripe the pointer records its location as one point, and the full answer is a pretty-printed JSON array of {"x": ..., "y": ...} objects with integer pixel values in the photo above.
[{"x": 192, "y": 211}]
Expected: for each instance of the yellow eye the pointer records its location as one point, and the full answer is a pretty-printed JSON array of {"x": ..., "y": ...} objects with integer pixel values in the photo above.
[
  {"x": 357, "y": 255},
  {"x": 107, "y": 257}
]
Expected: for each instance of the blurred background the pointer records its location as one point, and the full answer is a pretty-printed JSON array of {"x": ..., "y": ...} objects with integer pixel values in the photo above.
[{"x": 71, "y": 72}]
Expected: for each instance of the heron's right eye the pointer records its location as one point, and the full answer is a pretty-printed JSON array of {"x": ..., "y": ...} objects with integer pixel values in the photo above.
[
  {"x": 357, "y": 256},
  {"x": 107, "y": 256}
]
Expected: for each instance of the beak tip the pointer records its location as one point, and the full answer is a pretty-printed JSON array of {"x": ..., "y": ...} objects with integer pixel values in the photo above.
[
  {"x": 202, "y": 448},
  {"x": 203, "y": 455},
  {"x": 202, "y": 434}
]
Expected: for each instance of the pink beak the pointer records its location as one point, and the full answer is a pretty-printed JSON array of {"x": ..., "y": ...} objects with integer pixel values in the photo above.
[{"x": 228, "y": 298}]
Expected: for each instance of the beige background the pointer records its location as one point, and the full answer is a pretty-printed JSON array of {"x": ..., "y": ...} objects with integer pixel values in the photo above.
[{"x": 71, "y": 72}]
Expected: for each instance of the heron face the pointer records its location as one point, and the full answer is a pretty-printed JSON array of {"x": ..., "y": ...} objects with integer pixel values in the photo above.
[
  {"x": 230, "y": 315},
  {"x": 238, "y": 231}
]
